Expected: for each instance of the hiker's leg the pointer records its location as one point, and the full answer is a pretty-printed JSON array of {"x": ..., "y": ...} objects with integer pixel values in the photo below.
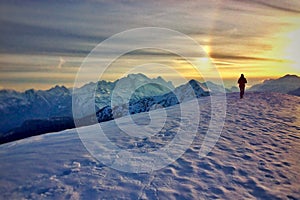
[{"x": 242, "y": 91}]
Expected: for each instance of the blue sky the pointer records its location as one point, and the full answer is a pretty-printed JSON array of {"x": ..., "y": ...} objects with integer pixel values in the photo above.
[{"x": 44, "y": 42}]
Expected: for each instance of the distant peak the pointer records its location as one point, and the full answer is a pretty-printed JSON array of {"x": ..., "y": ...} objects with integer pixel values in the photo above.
[
  {"x": 29, "y": 91},
  {"x": 193, "y": 82},
  {"x": 137, "y": 75},
  {"x": 58, "y": 87},
  {"x": 7, "y": 90},
  {"x": 159, "y": 78},
  {"x": 290, "y": 76}
]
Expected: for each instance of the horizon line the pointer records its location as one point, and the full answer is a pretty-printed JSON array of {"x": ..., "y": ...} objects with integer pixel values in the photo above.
[{"x": 264, "y": 78}]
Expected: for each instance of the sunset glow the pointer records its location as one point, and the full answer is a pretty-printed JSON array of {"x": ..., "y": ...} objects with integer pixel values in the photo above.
[{"x": 43, "y": 44}]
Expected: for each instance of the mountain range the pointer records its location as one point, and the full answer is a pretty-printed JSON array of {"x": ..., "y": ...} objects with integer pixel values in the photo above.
[
  {"x": 34, "y": 112},
  {"x": 288, "y": 84},
  {"x": 18, "y": 107}
]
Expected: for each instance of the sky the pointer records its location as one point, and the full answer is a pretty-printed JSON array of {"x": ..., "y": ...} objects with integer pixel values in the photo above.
[{"x": 43, "y": 43}]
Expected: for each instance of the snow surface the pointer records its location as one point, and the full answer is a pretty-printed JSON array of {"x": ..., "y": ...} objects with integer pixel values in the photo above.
[
  {"x": 284, "y": 84},
  {"x": 295, "y": 92},
  {"x": 256, "y": 157}
]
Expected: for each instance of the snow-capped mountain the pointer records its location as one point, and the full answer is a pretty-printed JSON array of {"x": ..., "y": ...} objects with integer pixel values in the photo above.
[
  {"x": 17, "y": 107},
  {"x": 20, "y": 108},
  {"x": 183, "y": 93},
  {"x": 107, "y": 93},
  {"x": 284, "y": 84},
  {"x": 188, "y": 91}
]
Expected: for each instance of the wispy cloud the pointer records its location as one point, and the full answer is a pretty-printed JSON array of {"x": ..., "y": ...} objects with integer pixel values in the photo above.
[
  {"x": 61, "y": 62},
  {"x": 279, "y": 5}
]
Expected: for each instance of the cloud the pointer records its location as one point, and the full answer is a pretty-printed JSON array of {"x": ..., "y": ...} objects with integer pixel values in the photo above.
[
  {"x": 61, "y": 62},
  {"x": 286, "y": 6},
  {"x": 39, "y": 36},
  {"x": 240, "y": 57}
]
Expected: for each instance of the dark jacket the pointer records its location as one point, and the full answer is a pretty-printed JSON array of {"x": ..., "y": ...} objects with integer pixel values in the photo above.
[{"x": 242, "y": 81}]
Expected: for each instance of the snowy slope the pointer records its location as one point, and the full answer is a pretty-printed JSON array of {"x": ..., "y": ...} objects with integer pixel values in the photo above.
[
  {"x": 214, "y": 88},
  {"x": 284, "y": 84},
  {"x": 295, "y": 92},
  {"x": 256, "y": 157}
]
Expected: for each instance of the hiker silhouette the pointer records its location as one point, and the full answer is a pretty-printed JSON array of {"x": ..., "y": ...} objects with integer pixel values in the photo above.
[{"x": 242, "y": 83}]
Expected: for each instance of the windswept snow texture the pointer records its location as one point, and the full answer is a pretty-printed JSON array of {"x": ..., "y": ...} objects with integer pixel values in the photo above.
[{"x": 256, "y": 157}]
